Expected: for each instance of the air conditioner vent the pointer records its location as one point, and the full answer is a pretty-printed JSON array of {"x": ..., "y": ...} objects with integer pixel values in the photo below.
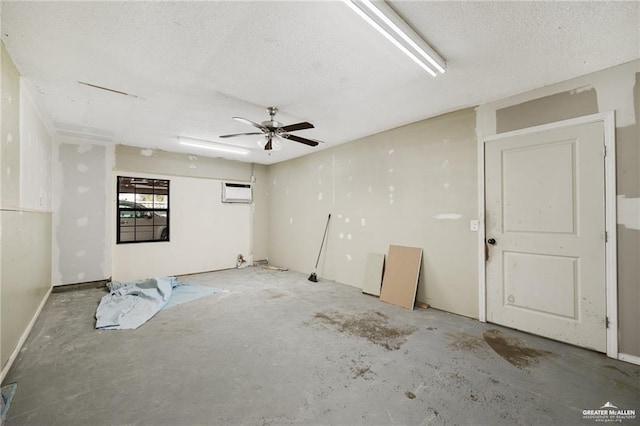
[{"x": 236, "y": 192}]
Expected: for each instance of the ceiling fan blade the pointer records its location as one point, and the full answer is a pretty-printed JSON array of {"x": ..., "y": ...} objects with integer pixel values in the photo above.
[
  {"x": 251, "y": 123},
  {"x": 239, "y": 134},
  {"x": 305, "y": 141},
  {"x": 297, "y": 126}
]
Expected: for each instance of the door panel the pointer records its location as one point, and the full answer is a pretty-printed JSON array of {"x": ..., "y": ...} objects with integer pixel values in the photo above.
[
  {"x": 545, "y": 274},
  {"x": 549, "y": 202},
  {"x": 529, "y": 280}
]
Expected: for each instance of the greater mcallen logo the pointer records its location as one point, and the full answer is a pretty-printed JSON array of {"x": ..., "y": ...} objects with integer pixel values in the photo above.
[{"x": 609, "y": 413}]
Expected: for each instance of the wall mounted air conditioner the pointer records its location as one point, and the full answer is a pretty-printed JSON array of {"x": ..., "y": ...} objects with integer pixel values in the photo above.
[{"x": 236, "y": 192}]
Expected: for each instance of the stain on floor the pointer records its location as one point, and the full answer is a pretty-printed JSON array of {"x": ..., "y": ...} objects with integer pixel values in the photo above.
[
  {"x": 513, "y": 350},
  {"x": 373, "y": 326},
  {"x": 612, "y": 367},
  {"x": 466, "y": 342},
  {"x": 628, "y": 387},
  {"x": 363, "y": 372},
  {"x": 410, "y": 395},
  {"x": 273, "y": 295}
]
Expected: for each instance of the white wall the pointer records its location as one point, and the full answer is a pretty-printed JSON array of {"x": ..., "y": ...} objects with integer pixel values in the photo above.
[
  {"x": 25, "y": 219},
  {"x": 26, "y": 275},
  {"x": 36, "y": 148},
  {"x": 260, "y": 214},
  {"x": 82, "y": 227},
  {"x": 412, "y": 186},
  {"x": 205, "y": 234}
]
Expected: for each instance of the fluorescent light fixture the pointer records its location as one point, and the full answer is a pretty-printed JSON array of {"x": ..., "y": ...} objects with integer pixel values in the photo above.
[
  {"x": 199, "y": 143},
  {"x": 387, "y": 22}
]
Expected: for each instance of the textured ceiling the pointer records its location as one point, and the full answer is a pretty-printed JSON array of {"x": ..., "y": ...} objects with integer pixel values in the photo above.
[{"x": 188, "y": 67}]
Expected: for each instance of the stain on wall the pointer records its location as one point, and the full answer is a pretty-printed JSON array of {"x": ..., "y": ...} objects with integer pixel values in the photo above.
[
  {"x": 549, "y": 109},
  {"x": 80, "y": 217},
  {"x": 389, "y": 188}
]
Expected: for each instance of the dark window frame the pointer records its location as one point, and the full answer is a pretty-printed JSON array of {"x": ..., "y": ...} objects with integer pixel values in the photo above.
[{"x": 146, "y": 186}]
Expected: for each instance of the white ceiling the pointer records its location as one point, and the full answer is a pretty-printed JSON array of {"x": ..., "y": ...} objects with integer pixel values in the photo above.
[{"x": 191, "y": 66}]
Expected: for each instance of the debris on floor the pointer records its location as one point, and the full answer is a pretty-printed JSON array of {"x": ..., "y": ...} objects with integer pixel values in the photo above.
[
  {"x": 270, "y": 349},
  {"x": 241, "y": 262},
  {"x": 274, "y": 268},
  {"x": 373, "y": 326},
  {"x": 130, "y": 304}
]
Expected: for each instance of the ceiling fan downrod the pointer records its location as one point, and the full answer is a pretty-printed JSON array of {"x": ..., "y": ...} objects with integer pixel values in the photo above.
[{"x": 272, "y": 124}]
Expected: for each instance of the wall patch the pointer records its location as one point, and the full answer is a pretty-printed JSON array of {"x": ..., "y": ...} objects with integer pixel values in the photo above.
[
  {"x": 448, "y": 216},
  {"x": 629, "y": 212}
]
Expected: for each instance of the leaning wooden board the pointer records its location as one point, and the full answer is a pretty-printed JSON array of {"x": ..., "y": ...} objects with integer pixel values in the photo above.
[{"x": 400, "y": 281}]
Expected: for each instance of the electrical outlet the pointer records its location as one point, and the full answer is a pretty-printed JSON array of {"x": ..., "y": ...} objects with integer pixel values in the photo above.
[{"x": 473, "y": 225}]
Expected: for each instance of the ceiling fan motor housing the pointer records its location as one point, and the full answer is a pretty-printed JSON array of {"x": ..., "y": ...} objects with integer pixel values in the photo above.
[
  {"x": 271, "y": 125},
  {"x": 272, "y": 129}
]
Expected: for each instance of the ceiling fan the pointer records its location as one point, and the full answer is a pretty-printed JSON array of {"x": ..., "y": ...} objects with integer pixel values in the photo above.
[{"x": 274, "y": 131}]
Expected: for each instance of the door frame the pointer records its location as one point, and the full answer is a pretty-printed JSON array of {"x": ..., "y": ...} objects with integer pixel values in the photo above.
[{"x": 611, "y": 272}]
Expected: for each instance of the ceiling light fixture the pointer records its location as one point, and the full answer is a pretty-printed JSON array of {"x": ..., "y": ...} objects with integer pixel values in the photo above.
[
  {"x": 383, "y": 18},
  {"x": 276, "y": 145},
  {"x": 199, "y": 143}
]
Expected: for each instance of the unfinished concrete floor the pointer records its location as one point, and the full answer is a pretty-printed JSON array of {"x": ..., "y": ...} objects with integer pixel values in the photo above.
[{"x": 274, "y": 348}]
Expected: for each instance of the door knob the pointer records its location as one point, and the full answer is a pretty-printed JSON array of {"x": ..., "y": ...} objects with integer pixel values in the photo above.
[{"x": 491, "y": 241}]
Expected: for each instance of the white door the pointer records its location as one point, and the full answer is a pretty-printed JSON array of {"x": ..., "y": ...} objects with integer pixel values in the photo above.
[{"x": 545, "y": 229}]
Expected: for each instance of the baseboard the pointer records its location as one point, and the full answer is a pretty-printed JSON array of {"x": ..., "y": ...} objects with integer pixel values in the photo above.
[
  {"x": 629, "y": 358},
  {"x": 80, "y": 286},
  {"x": 24, "y": 336}
]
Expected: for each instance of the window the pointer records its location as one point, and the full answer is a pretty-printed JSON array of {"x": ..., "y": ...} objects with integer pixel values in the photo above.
[{"x": 143, "y": 210}]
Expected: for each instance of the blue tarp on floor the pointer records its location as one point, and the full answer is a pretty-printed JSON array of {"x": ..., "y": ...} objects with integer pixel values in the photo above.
[
  {"x": 183, "y": 293},
  {"x": 131, "y": 304}
]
